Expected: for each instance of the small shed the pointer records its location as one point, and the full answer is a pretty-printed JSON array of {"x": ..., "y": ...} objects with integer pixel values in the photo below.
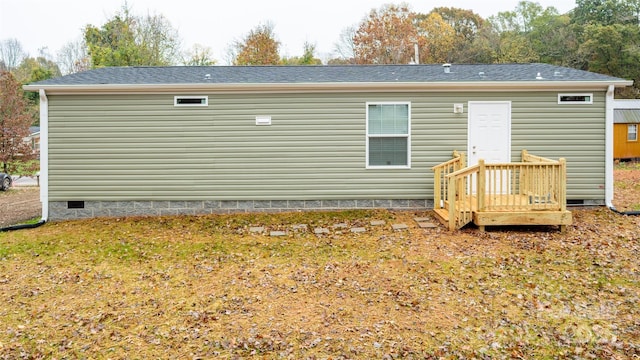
[{"x": 626, "y": 121}]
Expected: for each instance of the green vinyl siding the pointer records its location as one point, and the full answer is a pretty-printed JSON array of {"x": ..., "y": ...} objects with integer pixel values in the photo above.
[
  {"x": 575, "y": 132},
  {"x": 142, "y": 147}
]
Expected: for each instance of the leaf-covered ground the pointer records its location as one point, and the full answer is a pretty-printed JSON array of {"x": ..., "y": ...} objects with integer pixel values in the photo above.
[
  {"x": 206, "y": 287},
  {"x": 627, "y": 186}
]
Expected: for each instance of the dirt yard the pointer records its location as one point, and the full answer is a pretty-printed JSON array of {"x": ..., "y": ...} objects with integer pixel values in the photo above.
[{"x": 19, "y": 204}]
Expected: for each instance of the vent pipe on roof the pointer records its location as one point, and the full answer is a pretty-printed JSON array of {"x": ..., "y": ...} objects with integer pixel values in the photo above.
[
  {"x": 416, "y": 51},
  {"x": 447, "y": 68}
]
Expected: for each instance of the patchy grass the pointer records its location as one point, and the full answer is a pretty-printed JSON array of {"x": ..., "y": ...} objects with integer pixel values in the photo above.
[
  {"x": 204, "y": 287},
  {"x": 31, "y": 221},
  {"x": 628, "y": 165}
]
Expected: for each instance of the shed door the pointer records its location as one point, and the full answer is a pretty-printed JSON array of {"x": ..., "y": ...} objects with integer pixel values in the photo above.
[{"x": 489, "y": 132}]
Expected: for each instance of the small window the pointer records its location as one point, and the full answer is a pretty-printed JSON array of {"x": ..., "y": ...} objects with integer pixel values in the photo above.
[
  {"x": 575, "y": 98},
  {"x": 190, "y": 100},
  {"x": 388, "y": 135},
  {"x": 632, "y": 132}
]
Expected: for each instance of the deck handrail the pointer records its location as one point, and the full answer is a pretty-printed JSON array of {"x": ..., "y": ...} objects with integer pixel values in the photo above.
[
  {"x": 447, "y": 163},
  {"x": 459, "y": 196},
  {"x": 535, "y": 184},
  {"x": 463, "y": 172},
  {"x": 526, "y": 157},
  {"x": 440, "y": 172},
  {"x": 538, "y": 163}
]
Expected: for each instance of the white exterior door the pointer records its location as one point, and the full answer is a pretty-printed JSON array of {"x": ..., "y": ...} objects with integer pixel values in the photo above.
[
  {"x": 489, "y": 138},
  {"x": 489, "y": 132}
]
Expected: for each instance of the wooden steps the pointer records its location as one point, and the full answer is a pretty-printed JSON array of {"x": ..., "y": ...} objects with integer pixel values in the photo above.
[
  {"x": 501, "y": 218},
  {"x": 532, "y": 192}
]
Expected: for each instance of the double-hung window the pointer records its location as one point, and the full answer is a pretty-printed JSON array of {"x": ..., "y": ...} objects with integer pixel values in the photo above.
[
  {"x": 632, "y": 132},
  {"x": 389, "y": 135}
]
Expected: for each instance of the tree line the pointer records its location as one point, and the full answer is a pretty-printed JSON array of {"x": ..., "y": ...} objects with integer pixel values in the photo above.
[
  {"x": 597, "y": 35},
  {"x": 602, "y": 36}
]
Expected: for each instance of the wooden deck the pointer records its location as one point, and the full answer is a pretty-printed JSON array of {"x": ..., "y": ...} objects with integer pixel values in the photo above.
[{"x": 532, "y": 192}]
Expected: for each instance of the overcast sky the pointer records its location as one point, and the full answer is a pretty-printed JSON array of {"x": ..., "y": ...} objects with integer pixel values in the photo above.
[{"x": 216, "y": 24}]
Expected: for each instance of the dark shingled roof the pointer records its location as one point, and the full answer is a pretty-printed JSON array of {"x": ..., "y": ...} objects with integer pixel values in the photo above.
[{"x": 324, "y": 74}]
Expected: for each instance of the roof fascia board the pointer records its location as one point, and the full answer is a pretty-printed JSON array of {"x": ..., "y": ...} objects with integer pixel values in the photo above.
[
  {"x": 330, "y": 87},
  {"x": 626, "y": 104}
]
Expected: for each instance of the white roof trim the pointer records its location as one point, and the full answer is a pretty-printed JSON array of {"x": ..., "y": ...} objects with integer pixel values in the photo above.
[
  {"x": 331, "y": 87},
  {"x": 626, "y": 104}
]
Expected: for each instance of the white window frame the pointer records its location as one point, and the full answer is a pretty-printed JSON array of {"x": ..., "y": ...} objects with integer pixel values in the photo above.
[
  {"x": 590, "y": 101},
  {"x": 629, "y": 132},
  {"x": 407, "y": 135},
  {"x": 178, "y": 97}
]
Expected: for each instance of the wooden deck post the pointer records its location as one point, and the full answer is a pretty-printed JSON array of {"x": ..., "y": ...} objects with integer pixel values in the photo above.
[
  {"x": 562, "y": 186},
  {"x": 452, "y": 203},
  {"x": 437, "y": 189},
  {"x": 482, "y": 184},
  {"x": 562, "y": 189}
]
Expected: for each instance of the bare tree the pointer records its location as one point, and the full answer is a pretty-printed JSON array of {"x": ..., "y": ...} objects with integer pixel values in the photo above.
[
  {"x": 231, "y": 52},
  {"x": 158, "y": 40},
  {"x": 73, "y": 57},
  {"x": 11, "y": 54},
  {"x": 345, "y": 48},
  {"x": 199, "y": 55}
]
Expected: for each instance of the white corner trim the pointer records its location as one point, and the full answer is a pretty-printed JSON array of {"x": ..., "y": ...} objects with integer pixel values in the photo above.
[
  {"x": 44, "y": 154},
  {"x": 608, "y": 181}
]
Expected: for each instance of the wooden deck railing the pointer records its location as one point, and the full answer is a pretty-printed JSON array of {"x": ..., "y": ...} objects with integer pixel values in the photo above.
[
  {"x": 440, "y": 183},
  {"x": 535, "y": 184},
  {"x": 522, "y": 186},
  {"x": 461, "y": 201}
]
